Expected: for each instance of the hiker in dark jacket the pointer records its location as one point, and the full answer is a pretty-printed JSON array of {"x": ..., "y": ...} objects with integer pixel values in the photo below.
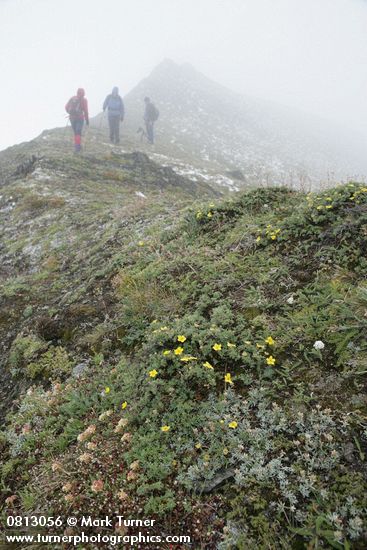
[
  {"x": 151, "y": 115},
  {"x": 115, "y": 109},
  {"x": 77, "y": 108}
]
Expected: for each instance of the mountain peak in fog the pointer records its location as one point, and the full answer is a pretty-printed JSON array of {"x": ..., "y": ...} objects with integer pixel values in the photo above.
[{"x": 206, "y": 124}]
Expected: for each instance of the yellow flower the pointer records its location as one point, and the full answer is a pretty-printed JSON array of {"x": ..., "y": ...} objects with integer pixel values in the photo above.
[
  {"x": 329, "y": 206},
  {"x": 187, "y": 358},
  {"x": 163, "y": 329},
  {"x": 258, "y": 239},
  {"x": 208, "y": 365},
  {"x": 231, "y": 345},
  {"x": 217, "y": 347},
  {"x": 270, "y": 360},
  {"x": 247, "y": 342},
  {"x": 181, "y": 338},
  {"x": 233, "y": 424},
  {"x": 228, "y": 378},
  {"x": 141, "y": 243},
  {"x": 225, "y": 451},
  {"x": 107, "y": 390},
  {"x": 153, "y": 373},
  {"x": 269, "y": 340},
  {"x": 260, "y": 346},
  {"x": 178, "y": 350},
  {"x": 166, "y": 352},
  {"x": 199, "y": 215},
  {"x": 319, "y": 207},
  {"x": 209, "y": 215},
  {"x": 124, "y": 405},
  {"x": 165, "y": 428},
  {"x": 273, "y": 237},
  {"x": 198, "y": 445}
]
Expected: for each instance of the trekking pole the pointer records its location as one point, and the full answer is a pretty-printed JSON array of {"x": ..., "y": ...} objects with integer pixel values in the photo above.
[
  {"x": 86, "y": 134},
  {"x": 101, "y": 120},
  {"x": 66, "y": 129}
]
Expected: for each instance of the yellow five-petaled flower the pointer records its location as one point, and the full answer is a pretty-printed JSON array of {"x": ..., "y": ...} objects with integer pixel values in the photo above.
[
  {"x": 165, "y": 428},
  {"x": 153, "y": 373},
  {"x": 178, "y": 351},
  {"x": 208, "y": 365},
  {"x": 233, "y": 424},
  {"x": 217, "y": 347},
  {"x": 270, "y": 360},
  {"x": 270, "y": 341},
  {"x": 181, "y": 338},
  {"x": 124, "y": 405},
  {"x": 107, "y": 390}
]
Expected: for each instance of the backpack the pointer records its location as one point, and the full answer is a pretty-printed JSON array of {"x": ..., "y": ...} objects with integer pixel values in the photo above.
[
  {"x": 154, "y": 113},
  {"x": 114, "y": 103},
  {"x": 75, "y": 107}
]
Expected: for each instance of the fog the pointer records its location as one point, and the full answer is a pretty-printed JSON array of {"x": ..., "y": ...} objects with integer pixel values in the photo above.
[{"x": 308, "y": 54}]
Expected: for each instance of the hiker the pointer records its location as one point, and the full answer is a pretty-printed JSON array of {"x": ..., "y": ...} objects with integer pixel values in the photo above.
[
  {"x": 77, "y": 108},
  {"x": 115, "y": 108},
  {"x": 151, "y": 115}
]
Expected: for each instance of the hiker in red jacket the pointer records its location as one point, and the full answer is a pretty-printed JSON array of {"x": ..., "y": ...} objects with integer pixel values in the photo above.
[{"x": 77, "y": 107}]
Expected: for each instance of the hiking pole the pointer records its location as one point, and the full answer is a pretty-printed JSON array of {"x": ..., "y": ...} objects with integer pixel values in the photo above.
[
  {"x": 66, "y": 126},
  {"x": 86, "y": 134},
  {"x": 101, "y": 120}
]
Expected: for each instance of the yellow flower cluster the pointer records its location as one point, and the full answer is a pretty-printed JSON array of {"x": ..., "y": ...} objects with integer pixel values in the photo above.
[
  {"x": 356, "y": 195},
  {"x": 185, "y": 358},
  {"x": 270, "y": 232},
  {"x": 200, "y": 213}
]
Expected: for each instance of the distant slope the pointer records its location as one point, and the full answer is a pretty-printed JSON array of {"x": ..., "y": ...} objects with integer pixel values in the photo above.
[{"x": 205, "y": 125}]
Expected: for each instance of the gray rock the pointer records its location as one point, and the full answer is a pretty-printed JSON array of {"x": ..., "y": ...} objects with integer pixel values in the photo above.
[{"x": 79, "y": 369}]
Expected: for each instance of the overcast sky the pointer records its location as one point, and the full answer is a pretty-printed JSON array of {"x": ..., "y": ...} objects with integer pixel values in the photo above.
[{"x": 311, "y": 54}]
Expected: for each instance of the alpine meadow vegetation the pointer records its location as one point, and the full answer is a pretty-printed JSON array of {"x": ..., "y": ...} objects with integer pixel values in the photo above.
[{"x": 223, "y": 382}]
